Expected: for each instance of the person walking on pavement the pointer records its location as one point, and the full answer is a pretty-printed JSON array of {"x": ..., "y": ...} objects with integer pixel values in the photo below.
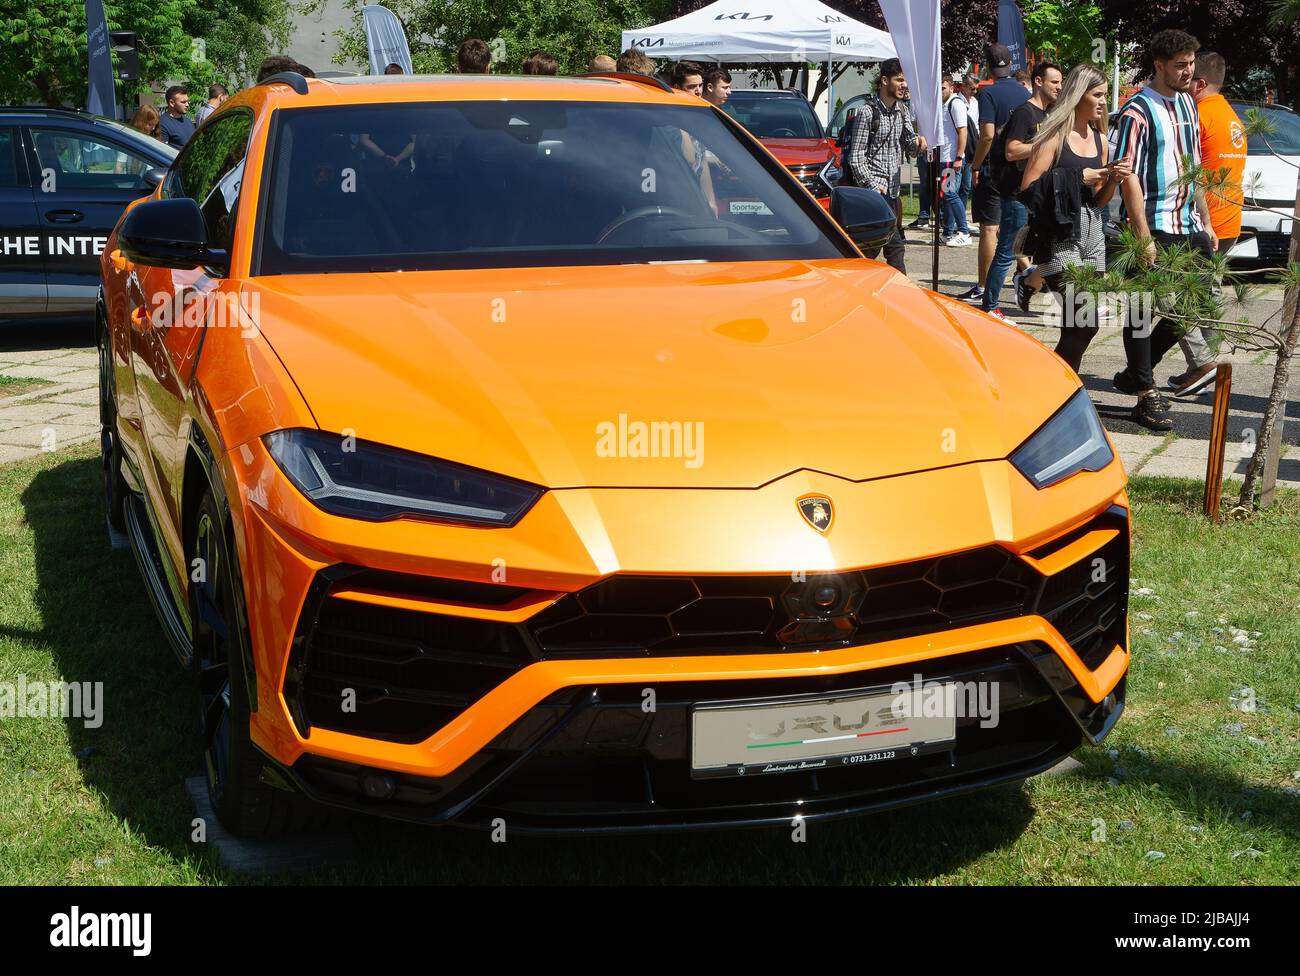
[
  {"x": 1007, "y": 165},
  {"x": 1223, "y": 146},
  {"x": 882, "y": 133},
  {"x": 1069, "y": 172},
  {"x": 1158, "y": 132},
  {"x": 997, "y": 101},
  {"x": 952, "y": 157}
]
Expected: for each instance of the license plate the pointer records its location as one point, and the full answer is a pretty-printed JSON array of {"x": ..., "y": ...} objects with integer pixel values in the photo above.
[{"x": 822, "y": 733}]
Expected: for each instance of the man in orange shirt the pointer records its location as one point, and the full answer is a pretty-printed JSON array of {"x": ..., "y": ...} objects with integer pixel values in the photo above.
[{"x": 1223, "y": 145}]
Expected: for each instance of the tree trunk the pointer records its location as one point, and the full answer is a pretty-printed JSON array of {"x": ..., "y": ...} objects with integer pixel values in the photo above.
[{"x": 1274, "y": 424}]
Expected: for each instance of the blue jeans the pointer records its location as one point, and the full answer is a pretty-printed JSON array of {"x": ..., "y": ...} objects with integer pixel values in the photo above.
[
  {"x": 954, "y": 211},
  {"x": 1014, "y": 216},
  {"x": 965, "y": 183}
]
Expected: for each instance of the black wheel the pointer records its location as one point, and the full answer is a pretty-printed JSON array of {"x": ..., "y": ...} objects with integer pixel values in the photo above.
[
  {"x": 109, "y": 449},
  {"x": 243, "y": 803}
]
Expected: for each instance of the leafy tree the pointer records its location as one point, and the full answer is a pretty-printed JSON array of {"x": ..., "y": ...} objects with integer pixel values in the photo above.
[
  {"x": 1064, "y": 31},
  {"x": 572, "y": 30},
  {"x": 43, "y": 45},
  {"x": 1240, "y": 30}
]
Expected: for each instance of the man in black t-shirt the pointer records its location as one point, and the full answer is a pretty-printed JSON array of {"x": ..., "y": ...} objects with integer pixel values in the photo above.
[{"x": 1008, "y": 158}]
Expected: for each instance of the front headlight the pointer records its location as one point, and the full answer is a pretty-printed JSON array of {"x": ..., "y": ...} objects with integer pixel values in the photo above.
[
  {"x": 1070, "y": 442},
  {"x": 359, "y": 479}
]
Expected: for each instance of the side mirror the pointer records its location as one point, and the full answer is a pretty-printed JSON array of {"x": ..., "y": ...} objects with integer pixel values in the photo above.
[
  {"x": 865, "y": 215},
  {"x": 169, "y": 234},
  {"x": 153, "y": 177}
]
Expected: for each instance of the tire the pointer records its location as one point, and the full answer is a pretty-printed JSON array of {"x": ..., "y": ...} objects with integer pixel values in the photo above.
[
  {"x": 232, "y": 765},
  {"x": 110, "y": 450}
]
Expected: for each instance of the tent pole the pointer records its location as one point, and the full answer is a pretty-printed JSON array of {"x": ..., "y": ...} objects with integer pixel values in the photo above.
[{"x": 830, "y": 93}]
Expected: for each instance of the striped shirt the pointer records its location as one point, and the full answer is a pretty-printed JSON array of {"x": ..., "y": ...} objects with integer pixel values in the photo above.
[{"x": 1156, "y": 134}]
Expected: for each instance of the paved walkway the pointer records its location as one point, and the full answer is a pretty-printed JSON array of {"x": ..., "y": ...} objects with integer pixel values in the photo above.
[{"x": 57, "y": 415}]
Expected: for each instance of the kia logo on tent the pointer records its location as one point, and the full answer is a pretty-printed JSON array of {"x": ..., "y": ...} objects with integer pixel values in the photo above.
[
  {"x": 831, "y": 19},
  {"x": 843, "y": 41},
  {"x": 743, "y": 15},
  {"x": 649, "y": 42}
]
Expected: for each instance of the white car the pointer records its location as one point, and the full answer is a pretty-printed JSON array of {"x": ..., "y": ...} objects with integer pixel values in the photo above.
[{"x": 1272, "y": 168}]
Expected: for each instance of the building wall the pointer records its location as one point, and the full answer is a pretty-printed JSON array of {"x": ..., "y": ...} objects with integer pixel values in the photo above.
[{"x": 313, "y": 42}]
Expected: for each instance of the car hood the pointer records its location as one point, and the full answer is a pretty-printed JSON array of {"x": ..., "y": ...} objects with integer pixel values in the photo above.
[
  {"x": 752, "y": 370},
  {"x": 800, "y": 152}
]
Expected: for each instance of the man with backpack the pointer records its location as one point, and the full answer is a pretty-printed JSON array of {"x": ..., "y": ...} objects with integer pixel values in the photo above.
[
  {"x": 880, "y": 134},
  {"x": 996, "y": 103}
]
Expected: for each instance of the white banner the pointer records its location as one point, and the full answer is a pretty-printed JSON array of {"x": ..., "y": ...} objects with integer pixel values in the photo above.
[
  {"x": 385, "y": 40},
  {"x": 914, "y": 26}
]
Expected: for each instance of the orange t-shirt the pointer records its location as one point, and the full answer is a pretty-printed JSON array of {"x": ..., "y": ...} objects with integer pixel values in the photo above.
[{"x": 1223, "y": 143}]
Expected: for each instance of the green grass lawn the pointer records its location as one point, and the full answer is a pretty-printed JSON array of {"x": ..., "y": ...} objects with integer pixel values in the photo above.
[{"x": 1222, "y": 806}]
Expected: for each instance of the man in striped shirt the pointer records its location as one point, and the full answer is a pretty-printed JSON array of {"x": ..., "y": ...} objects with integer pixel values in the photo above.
[{"x": 1159, "y": 134}]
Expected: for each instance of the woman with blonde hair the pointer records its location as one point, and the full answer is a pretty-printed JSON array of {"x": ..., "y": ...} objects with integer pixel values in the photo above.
[
  {"x": 1069, "y": 173},
  {"x": 147, "y": 120}
]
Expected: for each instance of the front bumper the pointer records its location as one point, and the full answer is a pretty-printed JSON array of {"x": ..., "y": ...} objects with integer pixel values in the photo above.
[{"x": 466, "y": 709}]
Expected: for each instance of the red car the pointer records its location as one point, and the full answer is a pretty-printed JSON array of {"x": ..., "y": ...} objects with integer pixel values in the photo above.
[{"x": 786, "y": 124}]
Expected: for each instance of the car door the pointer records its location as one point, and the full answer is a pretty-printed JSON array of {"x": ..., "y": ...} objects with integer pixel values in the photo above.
[
  {"x": 22, "y": 264},
  {"x": 178, "y": 305},
  {"x": 82, "y": 182}
]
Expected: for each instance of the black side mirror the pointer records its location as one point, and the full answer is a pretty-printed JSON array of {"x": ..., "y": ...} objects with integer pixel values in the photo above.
[
  {"x": 154, "y": 177},
  {"x": 169, "y": 234},
  {"x": 865, "y": 215}
]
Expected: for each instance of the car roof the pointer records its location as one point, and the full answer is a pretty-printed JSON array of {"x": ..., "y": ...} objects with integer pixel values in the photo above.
[
  {"x": 26, "y": 113},
  {"x": 291, "y": 91}
]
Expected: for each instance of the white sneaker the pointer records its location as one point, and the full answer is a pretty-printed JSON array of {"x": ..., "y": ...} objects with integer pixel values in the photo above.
[{"x": 957, "y": 240}]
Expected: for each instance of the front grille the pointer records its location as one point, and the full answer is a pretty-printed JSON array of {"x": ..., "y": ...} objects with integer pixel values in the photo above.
[
  {"x": 400, "y": 675},
  {"x": 1088, "y": 601},
  {"x": 1273, "y": 247},
  {"x": 641, "y": 615}
]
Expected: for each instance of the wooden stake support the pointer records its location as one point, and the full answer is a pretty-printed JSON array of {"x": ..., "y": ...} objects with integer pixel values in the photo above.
[{"x": 1218, "y": 441}]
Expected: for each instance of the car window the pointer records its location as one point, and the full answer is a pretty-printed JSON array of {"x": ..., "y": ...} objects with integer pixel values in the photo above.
[
  {"x": 837, "y": 123},
  {"x": 210, "y": 171},
  {"x": 519, "y": 184},
  {"x": 78, "y": 161},
  {"x": 774, "y": 116},
  {"x": 1284, "y": 141},
  {"x": 9, "y": 157}
]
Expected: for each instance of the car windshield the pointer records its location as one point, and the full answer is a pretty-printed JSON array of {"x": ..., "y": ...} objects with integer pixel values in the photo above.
[
  {"x": 491, "y": 184},
  {"x": 1284, "y": 140},
  {"x": 772, "y": 116}
]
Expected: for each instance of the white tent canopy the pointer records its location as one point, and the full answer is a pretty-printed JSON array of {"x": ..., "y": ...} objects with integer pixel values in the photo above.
[{"x": 773, "y": 30}]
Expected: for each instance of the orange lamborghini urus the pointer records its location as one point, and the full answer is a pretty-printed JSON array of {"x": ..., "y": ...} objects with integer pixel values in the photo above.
[{"x": 482, "y": 461}]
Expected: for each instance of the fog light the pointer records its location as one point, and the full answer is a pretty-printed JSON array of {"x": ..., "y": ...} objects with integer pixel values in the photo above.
[{"x": 378, "y": 786}]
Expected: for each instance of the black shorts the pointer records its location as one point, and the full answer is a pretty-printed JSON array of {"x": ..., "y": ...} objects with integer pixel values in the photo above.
[{"x": 986, "y": 202}]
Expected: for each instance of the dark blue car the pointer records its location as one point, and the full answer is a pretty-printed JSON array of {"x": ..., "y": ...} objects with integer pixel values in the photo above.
[{"x": 65, "y": 178}]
